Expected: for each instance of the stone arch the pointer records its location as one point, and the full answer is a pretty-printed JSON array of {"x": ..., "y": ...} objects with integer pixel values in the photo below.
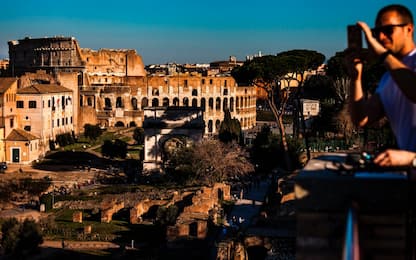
[
  {"x": 176, "y": 102},
  {"x": 165, "y": 102},
  {"x": 107, "y": 104},
  {"x": 218, "y": 104},
  {"x": 119, "y": 124},
  {"x": 211, "y": 103},
  {"x": 231, "y": 104},
  {"x": 119, "y": 102},
  {"x": 171, "y": 143},
  {"x": 155, "y": 102},
  {"x": 134, "y": 103},
  {"x": 185, "y": 102},
  {"x": 145, "y": 102},
  {"x": 210, "y": 125},
  {"x": 225, "y": 104},
  {"x": 194, "y": 102}
]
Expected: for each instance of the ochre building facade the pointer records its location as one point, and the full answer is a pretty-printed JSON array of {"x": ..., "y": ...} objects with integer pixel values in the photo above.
[{"x": 111, "y": 87}]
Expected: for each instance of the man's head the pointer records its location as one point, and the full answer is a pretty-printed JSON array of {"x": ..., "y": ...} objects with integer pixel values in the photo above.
[{"x": 394, "y": 29}]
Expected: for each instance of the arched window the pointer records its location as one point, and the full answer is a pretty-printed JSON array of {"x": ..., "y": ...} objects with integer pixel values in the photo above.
[
  {"x": 134, "y": 103},
  {"x": 155, "y": 102},
  {"x": 176, "y": 102},
  {"x": 155, "y": 92},
  {"x": 119, "y": 102},
  {"x": 203, "y": 105},
  {"x": 231, "y": 104},
  {"x": 194, "y": 92},
  {"x": 107, "y": 104},
  {"x": 211, "y": 103},
  {"x": 194, "y": 102},
  {"x": 165, "y": 102},
  {"x": 145, "y": 102},
  {"x": 225, "y": 104},
  {"x": 218, "y": 104},
  {"x": 89, "y": 101},
  {"x": 210, "y": 126},
  {"x": 185, "y": 102},
  {"x": 225, "y": 92}
]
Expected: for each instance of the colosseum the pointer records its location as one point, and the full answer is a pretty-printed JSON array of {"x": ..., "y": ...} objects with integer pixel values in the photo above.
[{"x": 114, "y": 87}]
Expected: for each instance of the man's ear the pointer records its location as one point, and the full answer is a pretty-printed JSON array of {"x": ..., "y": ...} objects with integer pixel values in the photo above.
[{"x": 411, "y": 29}]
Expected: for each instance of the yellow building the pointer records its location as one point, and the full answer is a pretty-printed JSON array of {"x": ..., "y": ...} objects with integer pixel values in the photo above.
[
  {"x": 45, "y": 110},
  {"x": 22, "y": 147}
]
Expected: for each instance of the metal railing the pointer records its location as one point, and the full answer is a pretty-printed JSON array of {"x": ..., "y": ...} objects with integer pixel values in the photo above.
[{"x": 351, "y": 250}]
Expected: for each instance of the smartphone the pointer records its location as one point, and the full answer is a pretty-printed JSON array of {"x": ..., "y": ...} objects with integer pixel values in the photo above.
[{"x": 355, "y": 40}]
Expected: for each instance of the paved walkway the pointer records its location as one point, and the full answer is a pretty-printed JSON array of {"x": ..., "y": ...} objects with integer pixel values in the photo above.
[{"x": 249, "y": 206}]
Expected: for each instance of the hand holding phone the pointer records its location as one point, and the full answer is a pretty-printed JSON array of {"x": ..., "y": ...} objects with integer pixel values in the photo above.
[{"x": 355, "y": 40}]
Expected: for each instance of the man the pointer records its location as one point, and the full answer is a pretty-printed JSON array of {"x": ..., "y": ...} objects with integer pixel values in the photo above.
[{"x": 392, "y": 41}]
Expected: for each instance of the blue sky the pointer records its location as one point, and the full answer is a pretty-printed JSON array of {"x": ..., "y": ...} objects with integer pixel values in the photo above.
[{"x": 191, "y": 31}]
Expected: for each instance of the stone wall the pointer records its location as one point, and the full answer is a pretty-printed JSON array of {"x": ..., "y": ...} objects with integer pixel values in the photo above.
[
  {"x": 109, "y": 208},
  {"x": 143, "y": 207},
  {"x": 192, "y": 222}
]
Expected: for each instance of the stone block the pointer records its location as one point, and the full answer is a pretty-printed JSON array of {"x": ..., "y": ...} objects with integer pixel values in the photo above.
[{"x": 77, "y": 217}]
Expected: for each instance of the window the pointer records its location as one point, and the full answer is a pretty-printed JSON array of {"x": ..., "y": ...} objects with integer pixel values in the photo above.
[
  {"x": 27, "y": 128},
  {"x": 203, "y": 81},
  {"x": 49, "y": 103},
  {"x": 119, "y": 102},
  {"x": 11, "y": 122},
  {"x": 19, "y": 104},
  {"x": 32, "y": 104},
  {"x": 210, "y": 81}
]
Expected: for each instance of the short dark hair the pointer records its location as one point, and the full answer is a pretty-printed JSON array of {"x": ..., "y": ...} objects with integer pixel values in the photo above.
[{"x": 402, "y": 10}]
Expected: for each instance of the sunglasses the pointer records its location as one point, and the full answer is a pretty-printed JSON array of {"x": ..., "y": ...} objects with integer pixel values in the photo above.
[{"x": 386, "y": 29}]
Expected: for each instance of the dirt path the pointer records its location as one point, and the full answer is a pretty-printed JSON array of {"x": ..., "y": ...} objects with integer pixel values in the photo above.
[{"x": 79, "y": 244}]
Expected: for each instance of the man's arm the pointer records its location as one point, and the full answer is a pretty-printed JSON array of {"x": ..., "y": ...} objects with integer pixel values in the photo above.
[
  {"x": 363, "y": 111},
  {"x": 404, "y": 76}
]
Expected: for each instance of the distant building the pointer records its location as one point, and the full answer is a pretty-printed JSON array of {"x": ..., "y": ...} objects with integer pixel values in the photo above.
[
  {"x": 45, "y": 110},
  {"x": 226, "y": 66},
  {"x": 51, "y": 54},
  {"x": 110, "y": 88}
]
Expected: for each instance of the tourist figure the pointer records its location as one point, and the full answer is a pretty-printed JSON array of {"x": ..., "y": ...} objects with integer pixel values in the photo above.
[{"x": 395, "y": 97}]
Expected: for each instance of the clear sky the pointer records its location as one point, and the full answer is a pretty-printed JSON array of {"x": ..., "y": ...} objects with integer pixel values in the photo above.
[{"x": 195, "y": 31}]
